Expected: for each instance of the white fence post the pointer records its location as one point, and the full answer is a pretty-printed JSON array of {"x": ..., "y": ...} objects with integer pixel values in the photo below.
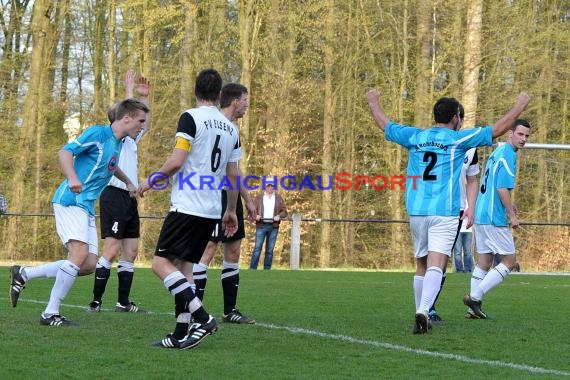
[{"x": 295, "y": 242}]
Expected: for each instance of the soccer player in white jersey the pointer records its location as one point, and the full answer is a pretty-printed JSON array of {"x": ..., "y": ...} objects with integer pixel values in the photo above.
[
  {"x": 207, "y": 148},
  {"x": 119, "y": 216},
  {"x": 495, "y": 212},
  {"x": 233, "y": 104},
  {"x": 432, "y": 189},
  {"x": 468, "y": 190},
  {"x": 88, "y": 162}
]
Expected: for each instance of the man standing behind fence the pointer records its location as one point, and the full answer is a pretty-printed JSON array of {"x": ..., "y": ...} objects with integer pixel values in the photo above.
[
  {"x": 435, "y": 159},
  {"x": 270, "y": 210}
]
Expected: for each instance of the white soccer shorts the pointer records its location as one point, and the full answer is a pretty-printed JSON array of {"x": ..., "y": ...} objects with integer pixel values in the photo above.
[
  {"x": 493, "y": 239},
  {"x": 74, "y": 223},
  {"x": 433, "y": 234}
]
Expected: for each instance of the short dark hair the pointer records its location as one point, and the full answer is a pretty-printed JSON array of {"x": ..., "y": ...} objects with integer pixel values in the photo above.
[
  {"x": 231, "y": 92},
  {"x": 127, "y": 107},
  {"x": 208, "y": 85},
  {"x": 523, "y": 122},
  {"x": 445, "y": 108},
  {"x": 111, "y": 113}
]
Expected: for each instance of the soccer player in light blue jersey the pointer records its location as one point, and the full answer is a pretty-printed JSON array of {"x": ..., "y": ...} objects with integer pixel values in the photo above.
[
  {"x": 88, "y": 162},
  {"x": 435, "y": 159},
  {"x": 495, "y": 212}
]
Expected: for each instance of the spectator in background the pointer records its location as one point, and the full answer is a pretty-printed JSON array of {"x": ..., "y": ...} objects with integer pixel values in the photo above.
[
  {"x": 270, "y": 209},
  {"x": 464, "y": 243},
  {"x": 3, "y": 204}
]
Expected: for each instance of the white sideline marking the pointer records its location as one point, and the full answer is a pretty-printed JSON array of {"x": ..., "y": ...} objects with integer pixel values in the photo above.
[
  {"x": 395, "y": 347},
  {"x": 373, "y": 343}
]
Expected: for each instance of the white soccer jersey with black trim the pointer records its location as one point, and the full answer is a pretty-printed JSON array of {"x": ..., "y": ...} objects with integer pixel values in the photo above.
[
  {"x": 215, "y": 142},
  {"x": 128, "y": 162},
  {"x": 470, "y": 168}
]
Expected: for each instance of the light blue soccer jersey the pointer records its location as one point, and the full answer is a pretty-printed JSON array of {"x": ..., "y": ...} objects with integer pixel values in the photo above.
[
  {"x": 434, "y": 165},
  {"x": 96, "y": 153},
  {"x": 500, "y": 172}
]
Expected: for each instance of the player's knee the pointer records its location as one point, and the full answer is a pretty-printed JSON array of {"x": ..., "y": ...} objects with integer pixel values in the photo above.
[{"x": 88, "y": 265}]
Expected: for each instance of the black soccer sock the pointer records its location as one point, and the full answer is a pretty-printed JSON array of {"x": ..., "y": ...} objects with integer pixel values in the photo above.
[
  {"x": 101, "y": 277},
  {"x": 179, "y": 287},
  {"x": 230, "y": 284},
  {"x": 439, "y": 292},
  {"x": 181, "y": 301},
  {"x": 125, "y": 273}
]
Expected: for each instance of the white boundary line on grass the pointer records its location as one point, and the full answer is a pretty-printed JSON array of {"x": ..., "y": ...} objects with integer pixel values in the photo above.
[
  {"x": 395, "y": 347},
  {"x": 373, "y": 343}
]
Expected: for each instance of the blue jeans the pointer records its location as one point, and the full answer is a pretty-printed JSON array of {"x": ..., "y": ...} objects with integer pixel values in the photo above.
[
  {"x": 268, "y": 233},
  {"x": 464, "y": 241}
]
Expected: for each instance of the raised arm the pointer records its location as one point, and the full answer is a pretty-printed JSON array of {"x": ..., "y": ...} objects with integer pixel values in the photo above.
[
  {"x": 143, "y": 89},
  {"x": 506, "y": 122},
  {"x": 373, "y": 98}
]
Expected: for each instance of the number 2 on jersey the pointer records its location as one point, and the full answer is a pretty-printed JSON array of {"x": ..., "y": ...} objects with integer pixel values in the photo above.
[{"x": 432, "y": 158}]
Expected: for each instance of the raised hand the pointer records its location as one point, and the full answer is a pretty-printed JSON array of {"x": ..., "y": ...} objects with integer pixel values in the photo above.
[
  {"x": 129, "y": 83},
  {"x": 143, "y": 86}
]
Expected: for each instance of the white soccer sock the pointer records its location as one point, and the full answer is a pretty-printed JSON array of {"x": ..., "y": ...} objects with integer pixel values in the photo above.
[
  {"x": 175, "y": 282},
  {"x": 104, "y": 263},
  {"x": 64, "y": 280},
  {"x": 229, "y": 269},
  {"x": 200, "y": 271},
  {"x": 494, "y": 278},
  {"x": 476, "y": 278},
  {"x": 418, "y": 287},
  {"x": 432, "y": 283},
  {"x": 48, "y": 270}
]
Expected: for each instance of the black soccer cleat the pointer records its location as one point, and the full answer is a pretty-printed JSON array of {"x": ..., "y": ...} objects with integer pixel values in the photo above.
[
  {"x": 236, "y": 317},
  {"x": 94, "y": 307},
  {"x": 169, "y": 342},
  {"x": 475, "y": 306},
  {"x": 422, "y": 324},
  {"x": 435, "y": 318},
  {"x": 130, "y": 308},
  {"x": 55, "y": 320},
  {"x": 17, "y": 284},
  {"x": 198, "y": 332}
]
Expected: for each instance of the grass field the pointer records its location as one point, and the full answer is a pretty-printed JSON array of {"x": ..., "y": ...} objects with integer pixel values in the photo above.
[{"x": 310, "y": 325}]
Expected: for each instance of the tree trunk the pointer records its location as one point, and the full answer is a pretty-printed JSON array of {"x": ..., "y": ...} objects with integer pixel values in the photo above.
[
  {"x": 99, "y": 37},
  {"x": 422, "y": 98},
  {"x": 472, "y": 61},
  {"x": 327, "y": 155},
  {"x": 30, "y": 121},
  {"x": 249, "y": 23},
  {"x": 111, "y": 59}
]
